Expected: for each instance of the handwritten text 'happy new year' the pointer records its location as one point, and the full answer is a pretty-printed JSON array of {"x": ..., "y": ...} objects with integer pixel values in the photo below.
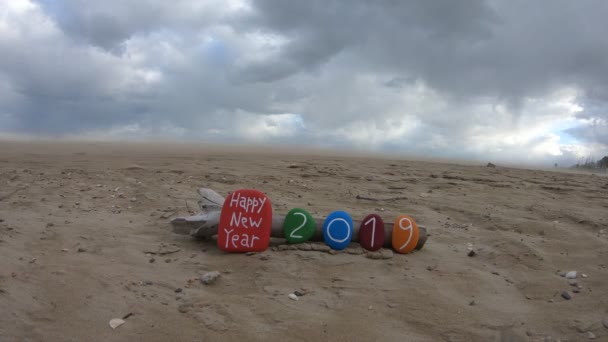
[{"x": 249, "y": 206}]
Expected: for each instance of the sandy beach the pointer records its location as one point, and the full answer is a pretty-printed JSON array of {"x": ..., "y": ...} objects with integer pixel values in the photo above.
[{"x": 85, "y": 237}]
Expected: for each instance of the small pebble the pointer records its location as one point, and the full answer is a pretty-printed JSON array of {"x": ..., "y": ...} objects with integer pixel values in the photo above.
[
  {"x": 178, "y": 290},
  {"x": 81, "y": 250},
  {"x": 210, "y": 277},
  {"x": 471, "y": 303},
  {"x": 566, "y": 295},
  {"x": 576, "y": 290},
  {"x": 116, "y": 322},
  {"x": 471, "y": 253},
  {"x": 584, "y": 275},
  {"x": 151, "y": 260},
  {"x": 572, "y": 282},
  {"x": 386, "y": 253},
  {"x": 590, "y": 335},
  {"x": 571, "y": 275},
  {"x": 292, "y": 296},
  {"x": 580, "y": 327},
  {"x": 304, "y": 247}
]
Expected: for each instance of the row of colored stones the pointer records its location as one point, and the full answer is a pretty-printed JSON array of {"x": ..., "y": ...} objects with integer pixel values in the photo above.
[{"x": 299, "y": 227}]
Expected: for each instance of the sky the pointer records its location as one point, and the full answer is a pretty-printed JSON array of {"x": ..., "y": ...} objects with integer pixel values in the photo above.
[{"x": 507, "y": 81}]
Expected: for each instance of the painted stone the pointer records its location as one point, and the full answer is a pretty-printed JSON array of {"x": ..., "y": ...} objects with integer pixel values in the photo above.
[
  {"x": 299, "y": 226},
  {"x": 245, "y": 222},
  {"x": 338, "y": 230},
  {"x": 371, "y": 232},
  {"x": 405, "y": 234}
]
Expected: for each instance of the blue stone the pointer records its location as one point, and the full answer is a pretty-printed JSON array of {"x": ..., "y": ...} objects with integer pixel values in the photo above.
[{"x": 338, "y": 230}]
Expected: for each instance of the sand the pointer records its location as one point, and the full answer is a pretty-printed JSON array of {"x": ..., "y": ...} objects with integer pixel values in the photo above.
[{"x": 85, "y": 238}]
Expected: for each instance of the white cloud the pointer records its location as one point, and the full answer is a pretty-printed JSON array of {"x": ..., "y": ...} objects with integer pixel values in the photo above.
[{"x": 262, "y": 128}]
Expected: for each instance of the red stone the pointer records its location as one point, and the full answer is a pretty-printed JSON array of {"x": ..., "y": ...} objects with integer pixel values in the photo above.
[
  {"x": 371, "y": 232},
  {"x": 245, "y": 222}
]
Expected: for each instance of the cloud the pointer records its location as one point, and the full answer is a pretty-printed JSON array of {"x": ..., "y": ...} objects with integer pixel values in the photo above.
[{"x": 477, "y": 79}]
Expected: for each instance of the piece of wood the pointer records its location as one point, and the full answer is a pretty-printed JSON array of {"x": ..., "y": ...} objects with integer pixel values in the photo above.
[
  {"x": 371, "y": 232},
  {"x": 405, "y": 234},
  {"x": 338, "y": 230},
  {"x": 210, "y": 200},
  {"x": 205, "y": 224},
  {"x": 381, "y": 199},
  {"x": 245, "y": 222}
]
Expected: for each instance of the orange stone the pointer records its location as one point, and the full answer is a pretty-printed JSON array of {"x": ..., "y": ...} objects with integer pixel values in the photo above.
[
  {"x": 405, "y": 234},
  {"x": 245, "y": 222}
]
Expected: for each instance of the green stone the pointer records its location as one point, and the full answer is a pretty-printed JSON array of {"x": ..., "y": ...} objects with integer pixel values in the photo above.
[{"x": 299, "y": 226}]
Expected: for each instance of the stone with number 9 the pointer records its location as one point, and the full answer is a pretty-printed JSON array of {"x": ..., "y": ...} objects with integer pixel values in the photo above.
[
  {"x": 405, "y": 234},
  {"x": 299, "y": 226}
]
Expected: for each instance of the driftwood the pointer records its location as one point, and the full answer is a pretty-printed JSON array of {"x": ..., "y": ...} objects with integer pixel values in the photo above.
[
  {"x": 205, "y": 224},
  {"x": 381, "y": 199}
]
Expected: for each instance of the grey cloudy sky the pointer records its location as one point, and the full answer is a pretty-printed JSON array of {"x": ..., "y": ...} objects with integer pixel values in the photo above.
[{"x": 517, "y": 80}]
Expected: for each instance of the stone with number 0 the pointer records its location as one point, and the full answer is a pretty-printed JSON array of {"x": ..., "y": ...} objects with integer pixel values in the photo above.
[
  {"x": 405, "y": 234},
  {"x": 299, "y": 226},
  {"x": 338, "y": 230},
  {"x": 371, "y": 232}
]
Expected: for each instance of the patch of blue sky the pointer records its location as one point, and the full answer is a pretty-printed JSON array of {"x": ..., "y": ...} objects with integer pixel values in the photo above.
[
  {"x": 561, "y": 128},
  {"x": 216, "y": 52},
  {"x": 57, "y": 10}
]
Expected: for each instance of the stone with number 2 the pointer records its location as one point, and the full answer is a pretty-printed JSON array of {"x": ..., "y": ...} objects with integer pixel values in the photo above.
[{"x": 299, "y": 226}]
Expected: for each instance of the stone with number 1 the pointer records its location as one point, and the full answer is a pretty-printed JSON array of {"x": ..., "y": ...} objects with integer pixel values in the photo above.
[
  {"x": 299, "y": 226},
  {"x": 371, "y": 232},
  {"x": 405, "y": 234}
]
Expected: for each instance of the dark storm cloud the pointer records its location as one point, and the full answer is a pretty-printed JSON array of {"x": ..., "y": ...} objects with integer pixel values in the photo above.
[
  {"x": 474, "y": 47},
  {"x": 395, "y": 32}
]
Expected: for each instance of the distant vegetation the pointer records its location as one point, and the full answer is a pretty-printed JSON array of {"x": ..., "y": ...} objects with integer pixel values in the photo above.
[{"x": 591, "y": 164}]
